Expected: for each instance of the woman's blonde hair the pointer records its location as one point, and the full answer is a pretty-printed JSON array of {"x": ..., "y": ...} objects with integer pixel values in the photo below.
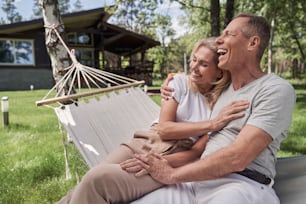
[{"x": 222, "y": 83}]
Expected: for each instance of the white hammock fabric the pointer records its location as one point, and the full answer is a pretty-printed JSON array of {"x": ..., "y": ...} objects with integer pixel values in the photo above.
[
  {"x": 290, "y": 180},
  {"x": 100, "y": 125}
]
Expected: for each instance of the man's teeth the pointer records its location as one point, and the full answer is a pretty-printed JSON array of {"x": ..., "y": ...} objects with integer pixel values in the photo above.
[{"x": 221, "y": 51}]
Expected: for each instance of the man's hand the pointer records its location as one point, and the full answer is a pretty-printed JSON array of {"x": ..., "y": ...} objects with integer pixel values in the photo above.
[
  {"x": 165, "y": 90},
  {"x": 158, "y": 167}
]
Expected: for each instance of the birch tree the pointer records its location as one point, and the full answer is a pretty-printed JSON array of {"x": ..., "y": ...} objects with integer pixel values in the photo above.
[{"x": 56, "y": 50}]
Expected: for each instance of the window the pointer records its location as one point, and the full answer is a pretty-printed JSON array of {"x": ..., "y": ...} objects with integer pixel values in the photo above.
[
  {"x": 82, "y": 43},
  {"x": 79, "y": 39},
  {"x": 85, "y": 56},
  {"x": 16, "y": 52}
]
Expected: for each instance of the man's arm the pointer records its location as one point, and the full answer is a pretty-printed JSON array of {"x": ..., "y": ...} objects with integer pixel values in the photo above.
[
  {"x": 165, "y": 90},
  {"x": 250, "y": 142},
  {"x": 169, "y": 129}
]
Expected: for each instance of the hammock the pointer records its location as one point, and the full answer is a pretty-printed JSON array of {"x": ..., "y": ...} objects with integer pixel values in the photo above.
[
  {"x": 100, "y": 110},
  {"x": 290, "y": 180},
  {"x": 98, "y": 124}
]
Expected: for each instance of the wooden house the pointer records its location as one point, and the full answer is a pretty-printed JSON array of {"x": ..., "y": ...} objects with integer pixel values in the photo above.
[{"x": 25, "y": 63}]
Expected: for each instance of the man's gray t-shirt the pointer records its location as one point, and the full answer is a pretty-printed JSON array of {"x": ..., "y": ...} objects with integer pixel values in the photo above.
[{"x": 272, "y": 101}]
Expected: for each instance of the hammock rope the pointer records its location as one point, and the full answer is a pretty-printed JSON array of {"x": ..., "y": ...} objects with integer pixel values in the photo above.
[{"x": 95, "y": 80}]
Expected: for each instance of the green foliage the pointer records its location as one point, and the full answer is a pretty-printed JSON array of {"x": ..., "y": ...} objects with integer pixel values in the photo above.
[
  {"x": 77, "y": 5},
  {"x": 64, "y": 6},
  {"x": 138, "y": 16},
  {"x": 37, "y": 11},
  {"x": 170, "y": 58},
  {"x": 8, "y": 7},
  {"x": 198, "y": 17}
]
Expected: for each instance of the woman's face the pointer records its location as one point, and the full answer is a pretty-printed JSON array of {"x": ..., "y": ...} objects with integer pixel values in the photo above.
[{"x": 204, "y": 69}]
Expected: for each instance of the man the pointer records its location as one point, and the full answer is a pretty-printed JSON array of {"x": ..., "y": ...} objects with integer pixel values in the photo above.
[{"x": 238, "y": 164}]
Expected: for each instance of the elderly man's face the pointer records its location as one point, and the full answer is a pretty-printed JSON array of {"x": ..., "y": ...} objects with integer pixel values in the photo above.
[{"x": 232, "y": 45}]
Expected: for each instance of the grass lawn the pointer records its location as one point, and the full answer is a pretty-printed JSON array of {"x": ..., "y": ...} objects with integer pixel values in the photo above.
[
  {"x": 31, "y": 155},
  {"x": 295, "y": 144}
]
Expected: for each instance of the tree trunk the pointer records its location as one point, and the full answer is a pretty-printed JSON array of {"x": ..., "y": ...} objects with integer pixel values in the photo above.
[
  {"x": 296, "y": 39},
  {"x": 229, "y": 12},
  {"x": 56, "y": 50},
  {"x": 215, "y": 17},
  {"x": 270, "y": 47},
  {"x": 294, "y": 69}
]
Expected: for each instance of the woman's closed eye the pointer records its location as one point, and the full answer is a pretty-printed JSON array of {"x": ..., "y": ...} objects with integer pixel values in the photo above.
[{"x": 199, "y": 62}]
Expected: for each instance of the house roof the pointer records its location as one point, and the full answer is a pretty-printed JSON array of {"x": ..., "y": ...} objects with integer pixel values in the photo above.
[{"x": 116, "y": 39}]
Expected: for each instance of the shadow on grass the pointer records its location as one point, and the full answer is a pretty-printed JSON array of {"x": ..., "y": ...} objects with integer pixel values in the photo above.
[
  {"x": 296, "y": 140},
  {"x": 300, "y": 93},
  {"x": 292, "y": 147},
  {"x": 299, "y": 86},
  {"x": 301, "y": 98},
  {"x": 17, "y": 126}
]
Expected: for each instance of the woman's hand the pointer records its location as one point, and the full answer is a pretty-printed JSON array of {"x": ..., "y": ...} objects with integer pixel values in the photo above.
[
  {"x": 228, "y": 113},
  {"x": 133, "y": 166}
]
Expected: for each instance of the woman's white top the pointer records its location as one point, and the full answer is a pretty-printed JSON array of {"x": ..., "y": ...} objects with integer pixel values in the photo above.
[{"x": 192, "y": 106}]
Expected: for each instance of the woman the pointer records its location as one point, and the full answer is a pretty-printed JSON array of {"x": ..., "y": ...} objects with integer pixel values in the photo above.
[{"x": 180, "y": 134}]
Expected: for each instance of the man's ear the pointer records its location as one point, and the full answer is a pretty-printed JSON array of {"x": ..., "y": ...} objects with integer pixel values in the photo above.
[{"x": 254, "y": 42}]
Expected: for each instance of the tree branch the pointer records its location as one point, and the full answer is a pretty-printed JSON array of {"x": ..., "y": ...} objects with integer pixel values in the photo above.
[{"x": 190, "y": 5}]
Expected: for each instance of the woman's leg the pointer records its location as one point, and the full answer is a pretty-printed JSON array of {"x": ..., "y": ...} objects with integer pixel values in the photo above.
[
  {"x": 108, "y": 183},
  {"x": 120, "y": 154}
]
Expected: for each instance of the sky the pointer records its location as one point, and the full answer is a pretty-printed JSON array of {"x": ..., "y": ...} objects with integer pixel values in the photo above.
[{"x": 24, "y": 8}]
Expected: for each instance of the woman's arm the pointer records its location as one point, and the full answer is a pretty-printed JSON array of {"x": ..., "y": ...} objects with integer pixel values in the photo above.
[
  {"x": 181, "y": 158},
  {"x": 169, "y": 129}
]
